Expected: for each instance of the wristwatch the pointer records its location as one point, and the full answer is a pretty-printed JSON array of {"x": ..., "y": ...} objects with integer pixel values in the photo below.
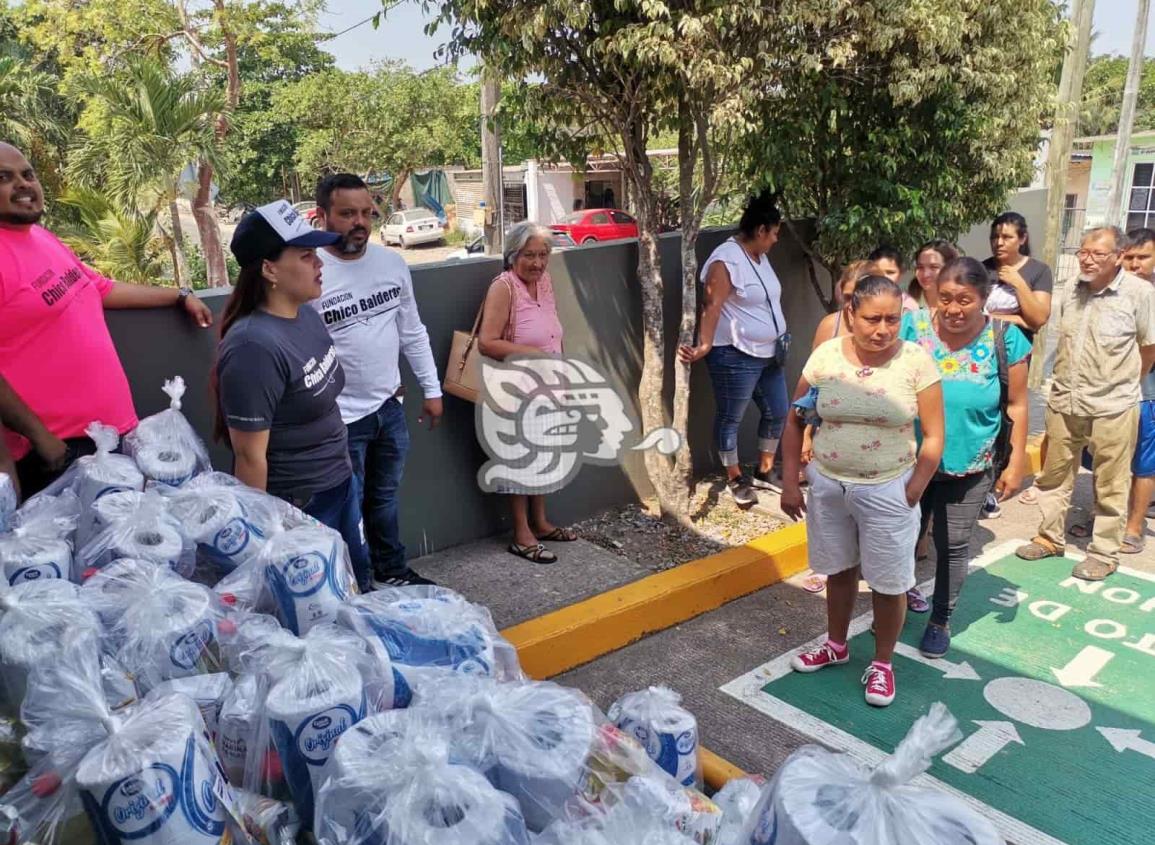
[{"x": 182, "y": 295}]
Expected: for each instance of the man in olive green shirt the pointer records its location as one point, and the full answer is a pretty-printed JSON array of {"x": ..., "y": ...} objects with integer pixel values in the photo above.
[{"x": 1105, "y": 324}]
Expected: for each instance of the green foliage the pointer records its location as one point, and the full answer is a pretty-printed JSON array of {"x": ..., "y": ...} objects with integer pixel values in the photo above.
[
  {"x": 1103, "y": 96},
  {"x": 911, "y": 121},
  {"x": 198, "y": 271},
  {"x": 119, "y": 242}
]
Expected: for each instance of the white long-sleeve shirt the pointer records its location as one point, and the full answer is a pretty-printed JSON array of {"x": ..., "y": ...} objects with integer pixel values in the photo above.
[{"x": 368, "y": 306}]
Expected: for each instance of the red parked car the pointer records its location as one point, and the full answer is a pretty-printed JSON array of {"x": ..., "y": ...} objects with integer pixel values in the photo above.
[{"x": 597, "y": 224}]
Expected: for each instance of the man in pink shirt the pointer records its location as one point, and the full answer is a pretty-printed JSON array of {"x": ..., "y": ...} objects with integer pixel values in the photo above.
[{"x": 59, "y": 370}]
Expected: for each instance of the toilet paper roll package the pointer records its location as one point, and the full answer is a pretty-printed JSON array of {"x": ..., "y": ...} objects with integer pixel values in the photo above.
[
  {"x": 40, "y": 623},
  {"x": 165, "y": 447},
  {"x": 319, "y": 686},
  {"x": 737, "y": 800},
  {"x": 157, "y": 625},
  {"x": 669, "y": 733},
  {"x": 208, "y": 693},
  {"x": 137, "y": 526},
  {"x": 308, "y": 574},
  {"x": 229, "y": 524},
  {"x": 414, "y": 795},
  {"x": 37, "y": 547},
  {"x": 239, "y": 728},
  {"x": 93, "y": 477},
  {"x": 426, "y": 626},
  {"x": 819, "y": 797},
  {"x": 268, "y": 822},
  {"x": 8, "y": 501}
]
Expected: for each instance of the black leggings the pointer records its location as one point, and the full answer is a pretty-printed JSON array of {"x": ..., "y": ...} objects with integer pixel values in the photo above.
[{"x": 955, "y": 503}]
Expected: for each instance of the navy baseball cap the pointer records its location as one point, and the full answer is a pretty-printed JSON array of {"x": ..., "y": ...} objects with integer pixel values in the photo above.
[{"x": 272, "y": 227}]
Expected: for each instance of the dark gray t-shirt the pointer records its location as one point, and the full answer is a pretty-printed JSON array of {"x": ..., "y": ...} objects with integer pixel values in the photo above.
[
  {"x": 283, "y": 376},
  {"x": 1004, "y": 300}
]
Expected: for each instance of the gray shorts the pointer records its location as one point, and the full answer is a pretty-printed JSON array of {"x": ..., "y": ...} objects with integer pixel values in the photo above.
[{"x": 860, "y": 524}]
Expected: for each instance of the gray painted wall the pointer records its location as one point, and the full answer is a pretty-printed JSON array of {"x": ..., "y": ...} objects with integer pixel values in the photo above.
[{"x": 600, "y": 307}]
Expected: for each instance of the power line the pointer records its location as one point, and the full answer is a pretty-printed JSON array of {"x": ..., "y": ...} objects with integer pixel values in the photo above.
[{"x": 376, "y": 16}]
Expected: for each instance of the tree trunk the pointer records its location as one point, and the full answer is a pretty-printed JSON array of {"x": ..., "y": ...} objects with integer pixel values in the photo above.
[
  {"x": 179, "y": 253},
  {"x": 399, "y": 184},
  {"x": 209, "y": 227},
  {"x": 690, "y": 223}
]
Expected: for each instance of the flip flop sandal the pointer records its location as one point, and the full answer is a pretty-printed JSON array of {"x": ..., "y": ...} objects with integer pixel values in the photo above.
[
  {"x": 916, "y": 602},
  {"x": 537, "y": 554},
  {"x": 560, "y": 535},
  {"x": 1030, "y": 496},
  {"x": 1093, "y": 569},
  {"x": 1036, "y": 551},
  {"x": 1082, "y": 530},
  {"x": 814, "y": 583},
  {"x": 1133, "y": 544}
]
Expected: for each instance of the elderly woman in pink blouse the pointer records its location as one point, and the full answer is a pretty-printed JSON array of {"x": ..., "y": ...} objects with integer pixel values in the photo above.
[{"x": 520, "y": 318}]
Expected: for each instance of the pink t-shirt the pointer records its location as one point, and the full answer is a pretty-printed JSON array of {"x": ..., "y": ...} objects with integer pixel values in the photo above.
[
  {"x": 55, "y": 349},
  {"x": 535, "y": 321}
]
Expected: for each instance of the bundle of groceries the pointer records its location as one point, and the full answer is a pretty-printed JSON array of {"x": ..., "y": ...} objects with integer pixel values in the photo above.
[{"x": 187, "y": 661}]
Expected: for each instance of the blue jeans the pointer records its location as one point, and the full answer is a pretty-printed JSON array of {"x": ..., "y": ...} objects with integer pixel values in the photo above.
[
  {"x": 378, "y": 445},
  {"x": 340, "y": 508},
  {"x": 737, "y": 379}
]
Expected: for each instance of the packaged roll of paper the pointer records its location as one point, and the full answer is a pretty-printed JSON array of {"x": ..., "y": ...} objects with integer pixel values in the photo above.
[
  {"x": 40, "y": 622},
  {"x": 169, "y": 464},
  {"x": 238, "y": 726},
  {"x": 305, "y": 729},
  {"x": 7, "y": 501},
  {"x": 109, "y": 474},
  {"x": 115, "y": 507},
  {"x": 372, "y": 737},
  {"x": 308, "y": 573},
  {"x": 44, "y": 559},
  {"x": 156, "y": 781},
  {"x": 170, "y": 633},
  {"x": 224, "y": 532},
  {"x": 162, "y": 544},
  {"x": 208, "y": 692},
  {"x": 669, "y": 733}
]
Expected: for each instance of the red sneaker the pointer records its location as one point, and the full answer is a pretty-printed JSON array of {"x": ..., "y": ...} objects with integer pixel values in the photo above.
[
  {"x": 879, "y": 685},
  {"x": 819, "y": 658}
]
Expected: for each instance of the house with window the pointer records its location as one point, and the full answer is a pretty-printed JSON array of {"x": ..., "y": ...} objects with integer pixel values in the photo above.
[{"x": 1089, "y": 182}]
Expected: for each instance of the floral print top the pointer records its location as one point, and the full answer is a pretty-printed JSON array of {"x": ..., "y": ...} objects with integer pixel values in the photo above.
[
  {"x": 868, "y": 413},
  {"x": 970, "y": 389}
]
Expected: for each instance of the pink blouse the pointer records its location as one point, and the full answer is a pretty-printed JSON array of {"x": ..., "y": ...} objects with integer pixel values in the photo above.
[{"x": 534, "y": 321}]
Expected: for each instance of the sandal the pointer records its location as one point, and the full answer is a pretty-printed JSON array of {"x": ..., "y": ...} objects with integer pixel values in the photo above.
[
  {"x": 1094, "y": 569},
  {"x": 1030, "y": 496},
  {"x": 916, "y": 602},
  {"x": 1036, "y": 550},
  {"x": 1082, "y": 530},
  {"x": 560, "y": 535},
  {"x": 814, "y": 583},
  {"x": 1133, "y": 544},
  {"x": 537, "y": 554}
]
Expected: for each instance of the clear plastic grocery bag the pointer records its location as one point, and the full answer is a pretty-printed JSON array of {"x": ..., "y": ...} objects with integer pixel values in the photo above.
[
  {"x": 737, "y": 800},
  {"x": 165, "y": 447},
  {"x": 8, "y": 501},
  {"x": 157, "y": 625},
  {"x": 37, "y": 546},
  {"x": 641, "y": 811},
  {"x": 229, "y": 522},
  {"x": 406, "y": 791},
  {"x": 94, "y": 476},
  {"x": 669, "y": 733},
  {"x": 822, "y": 798},
  {"x": 315, "y": 688},
  {"x": 41, "y": 622},
  {"x": 137, "y": 526},
  {"x": 427, "y": 626}
]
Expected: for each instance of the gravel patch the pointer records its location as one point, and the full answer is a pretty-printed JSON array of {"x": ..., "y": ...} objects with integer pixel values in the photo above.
[{"x": 637, "y": 533}]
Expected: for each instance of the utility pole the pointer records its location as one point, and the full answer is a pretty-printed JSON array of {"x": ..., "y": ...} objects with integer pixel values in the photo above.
[
  {"x": 1116, "y": 210},
  {"x": 1059, "y": 155},
  {"x": 491, "y": 171}
]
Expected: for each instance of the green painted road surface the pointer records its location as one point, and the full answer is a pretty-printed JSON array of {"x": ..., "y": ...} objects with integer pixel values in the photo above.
[{"x": 1052, "y": 680}]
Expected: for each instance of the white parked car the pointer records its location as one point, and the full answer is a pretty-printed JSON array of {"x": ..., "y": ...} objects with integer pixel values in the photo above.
[{"x": 412, "y": 226}]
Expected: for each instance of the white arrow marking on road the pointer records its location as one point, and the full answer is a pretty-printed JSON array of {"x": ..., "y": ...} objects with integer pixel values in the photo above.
[
  {"x": 978, "y": 748},
  {"x": 1083, "y": 668},
  {"x": 952, "y": 671},
  {"x": 1122, "y": 740}
]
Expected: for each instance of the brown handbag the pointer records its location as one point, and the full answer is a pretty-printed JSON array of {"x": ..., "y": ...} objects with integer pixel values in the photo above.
[{"x": 463, "y": 373}]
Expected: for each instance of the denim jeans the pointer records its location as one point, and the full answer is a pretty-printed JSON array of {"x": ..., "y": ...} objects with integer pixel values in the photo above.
[
  {"x": 955, "y": 503},
  {"x": 737, "y": 379},
  {"x": 378, "y": 445},
  {"x": 340, "y": 508}
]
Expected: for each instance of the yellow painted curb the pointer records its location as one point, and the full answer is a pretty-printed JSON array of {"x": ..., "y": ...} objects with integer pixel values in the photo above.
[
  {"x": 581, "y": 632},
  {"x": 717, "y": 771}
]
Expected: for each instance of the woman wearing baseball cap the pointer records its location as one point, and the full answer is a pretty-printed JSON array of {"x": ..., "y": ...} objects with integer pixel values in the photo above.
[{"x": 278, "y": 377}]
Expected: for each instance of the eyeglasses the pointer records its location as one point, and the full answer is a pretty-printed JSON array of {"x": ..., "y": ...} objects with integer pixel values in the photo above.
[{"x": 1098, "y": 256}]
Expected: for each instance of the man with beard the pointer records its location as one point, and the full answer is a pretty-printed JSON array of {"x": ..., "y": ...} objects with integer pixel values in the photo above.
[
  {"x": 59, "y": 370},
  {"x": 369, "y": 309}
]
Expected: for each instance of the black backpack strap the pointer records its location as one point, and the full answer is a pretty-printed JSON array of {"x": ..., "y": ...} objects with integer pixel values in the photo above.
[{"x": 1000, "y": 329}]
